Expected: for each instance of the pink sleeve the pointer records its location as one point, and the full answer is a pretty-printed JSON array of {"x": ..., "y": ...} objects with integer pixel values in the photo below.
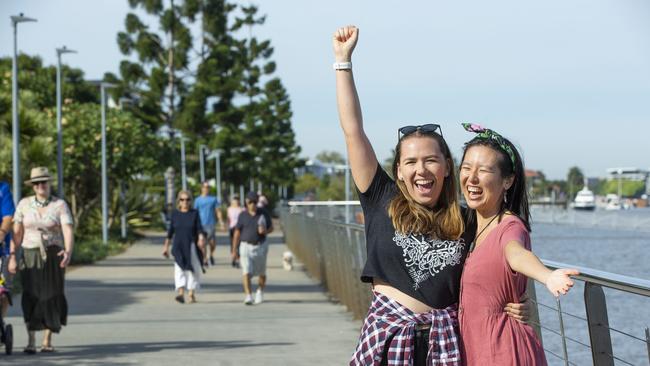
[{"x": 515, "y": 231}]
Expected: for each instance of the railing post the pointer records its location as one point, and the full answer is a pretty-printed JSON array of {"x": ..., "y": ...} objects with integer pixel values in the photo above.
[
  {"x": 647, "y": 341},
  {"x": 534, "y": 310},
  {"x": 596, "y": 308},
  {"x": 564, "y": 350}
]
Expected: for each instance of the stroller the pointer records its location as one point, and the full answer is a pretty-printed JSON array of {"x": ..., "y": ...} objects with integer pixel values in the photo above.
[{"x": 6, "y": 330}]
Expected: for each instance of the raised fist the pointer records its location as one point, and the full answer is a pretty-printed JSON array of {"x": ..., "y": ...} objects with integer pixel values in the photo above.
[{"x": 344, "y": 41}]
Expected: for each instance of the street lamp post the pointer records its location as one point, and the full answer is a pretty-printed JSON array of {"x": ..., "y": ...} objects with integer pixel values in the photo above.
[
  {"x": 103, "y": 87},
  {"x": 123, "y": 199},
  {"x": 216, "y": 155},
  {"x": 15, "y": 127},
  {"x": 201, "y": 162},
  {"x": 218, "y": 168},
  {"x": 620, "y": 186},
  {"x": 169, "y": 193},
  {"x": 59, "y": 129},
  {"x": 183, "y": 173}
]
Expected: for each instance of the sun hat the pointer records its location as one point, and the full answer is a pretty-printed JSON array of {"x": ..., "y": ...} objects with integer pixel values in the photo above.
[{"x": 39, "y": 174}]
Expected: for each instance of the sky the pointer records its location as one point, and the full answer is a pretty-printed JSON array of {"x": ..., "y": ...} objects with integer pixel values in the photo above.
[{"x": 567, "y": 81}]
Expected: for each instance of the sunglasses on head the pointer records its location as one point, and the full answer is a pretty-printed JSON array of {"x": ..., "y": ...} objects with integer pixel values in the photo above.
[{"x": 429, "y": 128}]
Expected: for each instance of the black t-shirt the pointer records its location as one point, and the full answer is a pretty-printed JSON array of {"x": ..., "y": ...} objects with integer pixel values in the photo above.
[
  {"x": 426, "y": 269},
  {"x": 247, "y": 226}
]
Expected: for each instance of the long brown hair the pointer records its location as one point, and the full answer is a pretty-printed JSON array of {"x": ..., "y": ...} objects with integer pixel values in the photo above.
[{"x": 444, "y": 220}]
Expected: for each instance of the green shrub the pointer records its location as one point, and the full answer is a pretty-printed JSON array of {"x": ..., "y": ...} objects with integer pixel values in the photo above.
[{"x": 92, "y": 249}]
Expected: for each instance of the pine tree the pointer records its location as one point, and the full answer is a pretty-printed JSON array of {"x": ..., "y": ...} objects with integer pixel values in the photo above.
[
  {"x": 192, "y": 83},
  {"x": 270, "y": 149},
  {"x": 158, "y": 79}
]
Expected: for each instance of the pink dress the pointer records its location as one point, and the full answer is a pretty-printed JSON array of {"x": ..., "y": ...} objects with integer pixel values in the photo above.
[{"x": 489, "y": 336}]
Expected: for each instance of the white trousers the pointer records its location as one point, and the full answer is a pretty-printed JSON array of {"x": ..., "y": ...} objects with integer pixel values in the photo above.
[{"x": 188, "y": 279}]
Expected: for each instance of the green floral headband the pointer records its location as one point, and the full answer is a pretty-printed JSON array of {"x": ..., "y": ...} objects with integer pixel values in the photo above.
[{"x": 487, "y": 134}]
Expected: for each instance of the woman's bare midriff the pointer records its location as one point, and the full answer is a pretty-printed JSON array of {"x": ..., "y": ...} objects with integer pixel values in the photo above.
[{"x": 411, "y": 303}]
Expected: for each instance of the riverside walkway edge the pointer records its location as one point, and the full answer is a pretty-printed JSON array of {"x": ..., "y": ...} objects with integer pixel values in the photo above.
[{"x": 122, "y": 312}]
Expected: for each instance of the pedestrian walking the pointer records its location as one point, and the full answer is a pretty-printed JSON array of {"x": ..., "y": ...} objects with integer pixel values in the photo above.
[
  {"x": 415, "y": 235},
  {"x": 500, "y": 260},
  {"x": 249, "y": 240},
  {"x": 7, "y": 210},
  {"x": 233, "y": 214},
  {"x": 188, "y": 247},
  {"x": 209, "y": 212},
  {"x": 262, "y": 201},
  {"x": 43, "y": 227}
]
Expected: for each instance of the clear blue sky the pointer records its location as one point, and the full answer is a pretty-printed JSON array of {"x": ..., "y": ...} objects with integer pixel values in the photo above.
[{"x": 567, "y": 81}]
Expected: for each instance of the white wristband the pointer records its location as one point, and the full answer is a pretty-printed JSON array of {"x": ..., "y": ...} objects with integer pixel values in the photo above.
[{"x": 342, "y": 66}]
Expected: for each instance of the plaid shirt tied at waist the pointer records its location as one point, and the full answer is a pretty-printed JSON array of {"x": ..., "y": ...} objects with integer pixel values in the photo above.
[{"x": 389, "y": 322}]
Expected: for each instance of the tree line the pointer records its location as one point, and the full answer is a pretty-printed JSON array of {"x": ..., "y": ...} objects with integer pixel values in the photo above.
[{"x": 196, "y": 71}]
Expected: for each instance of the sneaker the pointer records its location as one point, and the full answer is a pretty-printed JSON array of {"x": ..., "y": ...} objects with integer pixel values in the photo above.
[
  {"x": 248, "y": 300},
  {"x": 259, "y": 297}
]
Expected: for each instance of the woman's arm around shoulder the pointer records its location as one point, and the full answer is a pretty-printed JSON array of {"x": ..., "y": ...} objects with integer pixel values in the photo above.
[{"x": 361, "y": 156}]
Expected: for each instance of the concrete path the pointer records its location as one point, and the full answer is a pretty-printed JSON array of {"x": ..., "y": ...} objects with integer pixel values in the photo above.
[{"x": 122, "y": 312}]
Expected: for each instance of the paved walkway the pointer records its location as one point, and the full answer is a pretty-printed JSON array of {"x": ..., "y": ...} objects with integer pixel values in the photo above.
[{"x": 122, "y": 312}]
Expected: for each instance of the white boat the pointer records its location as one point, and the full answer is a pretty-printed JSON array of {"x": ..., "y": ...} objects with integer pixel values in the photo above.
[
  {"x": 585, "y": 200},
  {"x": 613, "y": 202}
]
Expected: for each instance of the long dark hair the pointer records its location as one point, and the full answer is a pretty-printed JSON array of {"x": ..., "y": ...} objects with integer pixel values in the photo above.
[
  {"x": 516, "y": 196},
  {"x": 444, "y": 221}
]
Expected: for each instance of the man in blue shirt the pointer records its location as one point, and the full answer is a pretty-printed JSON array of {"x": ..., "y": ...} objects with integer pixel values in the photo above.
[
  {"x": 6, "y": 215},
  {"x": 209, "y": 212}
]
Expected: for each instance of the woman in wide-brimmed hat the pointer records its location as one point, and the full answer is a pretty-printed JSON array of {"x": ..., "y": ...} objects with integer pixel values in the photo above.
[{"x": 43, "y": 227}]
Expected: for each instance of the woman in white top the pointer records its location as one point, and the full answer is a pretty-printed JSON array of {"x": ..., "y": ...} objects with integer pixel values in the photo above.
[
  {"x": 43, "y": 227},
  {"x": 233, "y": 214}
]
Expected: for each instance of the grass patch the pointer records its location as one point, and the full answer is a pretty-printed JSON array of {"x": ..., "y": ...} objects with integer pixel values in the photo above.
[{"x": 92, "y": 249}]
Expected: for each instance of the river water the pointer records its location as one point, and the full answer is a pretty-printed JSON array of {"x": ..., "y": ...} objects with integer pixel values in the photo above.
[{"x": 622, "y": 251}]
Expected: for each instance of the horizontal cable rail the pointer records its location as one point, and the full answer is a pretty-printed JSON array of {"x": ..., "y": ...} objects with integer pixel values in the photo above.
[{"x": 611, "y": 280}]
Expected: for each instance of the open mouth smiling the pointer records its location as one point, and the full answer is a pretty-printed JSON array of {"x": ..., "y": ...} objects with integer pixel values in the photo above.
[
  {"x": 424, "y": 185},
  {"x": 474, "y": 192}
]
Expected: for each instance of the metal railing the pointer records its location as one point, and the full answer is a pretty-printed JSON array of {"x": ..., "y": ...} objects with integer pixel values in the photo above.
[
  {"x": 636, "y": 219},
  {"x": 596, "y": 320},
  {"x": 334, "y": 253}
]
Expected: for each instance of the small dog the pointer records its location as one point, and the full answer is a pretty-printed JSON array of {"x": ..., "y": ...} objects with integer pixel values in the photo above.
[{"x": 287, "y": 261}]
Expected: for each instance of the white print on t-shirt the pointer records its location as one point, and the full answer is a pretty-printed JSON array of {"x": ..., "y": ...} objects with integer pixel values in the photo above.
[{"x": 425, "y": 258}]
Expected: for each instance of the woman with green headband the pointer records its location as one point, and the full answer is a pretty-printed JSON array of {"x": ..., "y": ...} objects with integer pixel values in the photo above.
[{"x": 500, "y": 260}]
